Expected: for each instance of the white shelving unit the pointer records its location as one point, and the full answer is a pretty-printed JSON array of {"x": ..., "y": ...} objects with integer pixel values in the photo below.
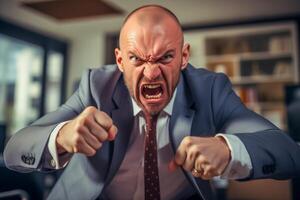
[{"x": 258, "y": 59}]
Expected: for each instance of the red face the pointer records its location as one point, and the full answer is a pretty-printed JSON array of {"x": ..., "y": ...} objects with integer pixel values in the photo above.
[{"x": 151, "y": 60}]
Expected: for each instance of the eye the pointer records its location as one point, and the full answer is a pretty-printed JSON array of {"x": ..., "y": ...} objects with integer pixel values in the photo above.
[
  {"x": 135, "y": 60},
  {"x": 166, "y": 58}
]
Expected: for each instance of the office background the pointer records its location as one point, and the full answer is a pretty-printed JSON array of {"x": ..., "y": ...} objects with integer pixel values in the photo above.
[{"x": 46, "y": 45}]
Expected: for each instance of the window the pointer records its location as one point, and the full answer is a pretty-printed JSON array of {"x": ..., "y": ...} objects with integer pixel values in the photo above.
[{"x": 32, "y": 75}]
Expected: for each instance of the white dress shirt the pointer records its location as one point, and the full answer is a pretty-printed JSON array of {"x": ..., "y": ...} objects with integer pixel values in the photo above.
[{"x": 128, "y": 183}]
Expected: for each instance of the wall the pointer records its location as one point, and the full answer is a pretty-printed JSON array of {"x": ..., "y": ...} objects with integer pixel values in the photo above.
[{"x": 85, "y": 52}]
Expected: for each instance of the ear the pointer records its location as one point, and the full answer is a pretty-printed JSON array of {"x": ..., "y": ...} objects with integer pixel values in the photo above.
[
  {"x": 119, "y": 60},
  {"x": 185, "y": 55}
]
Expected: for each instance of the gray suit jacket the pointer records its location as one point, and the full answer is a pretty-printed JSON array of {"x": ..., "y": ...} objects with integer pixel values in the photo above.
[{"x": 205, "y": 104}]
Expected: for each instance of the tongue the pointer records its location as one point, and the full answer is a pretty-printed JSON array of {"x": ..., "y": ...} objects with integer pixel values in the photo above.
[{"x": 152, "y": 91}]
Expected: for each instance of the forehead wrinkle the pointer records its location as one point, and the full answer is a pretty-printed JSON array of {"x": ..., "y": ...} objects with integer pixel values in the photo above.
[
  {"x": 154, "y": 49},
  {"x": 149, "y": 39},
  {"x": 144, "y": 44},
  {"x": 159, "y": 50},
  {"x": 157, "y": 44},
  {"x": 133, "y": 45}
]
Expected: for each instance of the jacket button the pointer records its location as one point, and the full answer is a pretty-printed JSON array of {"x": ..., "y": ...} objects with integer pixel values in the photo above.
[
  {"x": 23, "y": 158},
  {"x": 52, "y": 163}
]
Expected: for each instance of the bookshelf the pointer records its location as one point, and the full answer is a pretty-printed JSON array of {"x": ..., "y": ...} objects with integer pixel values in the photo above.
[{"x": 259, "y": 59}]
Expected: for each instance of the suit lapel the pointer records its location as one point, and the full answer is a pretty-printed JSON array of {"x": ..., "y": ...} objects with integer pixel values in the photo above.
[
  {"x": 122, "y": 116},
  {"x": 182, "y": 116},
  {"x": 181, "y": 126}
]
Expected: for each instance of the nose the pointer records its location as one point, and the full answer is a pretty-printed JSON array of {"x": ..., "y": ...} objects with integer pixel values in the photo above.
[{"x": 152, "y": 71}]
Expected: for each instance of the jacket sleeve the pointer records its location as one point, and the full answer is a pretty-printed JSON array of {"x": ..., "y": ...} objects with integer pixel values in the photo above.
[
  {"x": 26, "y": 150},
  {"x": 272, "y": 152}
]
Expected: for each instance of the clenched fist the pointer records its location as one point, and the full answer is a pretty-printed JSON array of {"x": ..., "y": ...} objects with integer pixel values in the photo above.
[
  {"x": 86, "y": 133},
  {"x": 205, "y": 157}
]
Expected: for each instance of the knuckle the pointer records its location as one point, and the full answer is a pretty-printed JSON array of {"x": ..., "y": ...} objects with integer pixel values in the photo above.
[
  {"x": 191, "y": 155},
  {"x": 98, "y": 145},
  {"x": 79, "y": 129},
  {"x": 107, "y": 118},
  {"x": 110, "y": 122},
  {"x": 197, "y": 165},
  {"x": 103, "y": 137},
  {"x": 90, "y": 109},
  {"x": 202, "y": 159},
  {"x": 209, "y": 169},
  {"x": 87, "y": 120},
  {"x": 104, "y": 114},
  {"x": 200, "y": 162},
  {"x": 77, "y": 140},
  {"x": 187, "y": 141},
  {"x": 115, "y": 129},
  {"x": 193, "y": 149},
  {"x": 91, "y": 152},
  {"x": 79, "y": 122}
]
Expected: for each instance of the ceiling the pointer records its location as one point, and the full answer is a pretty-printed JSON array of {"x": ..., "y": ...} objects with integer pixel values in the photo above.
[
  {"x": 188, "y": 12},
  {"x": 73, "y": 9}
]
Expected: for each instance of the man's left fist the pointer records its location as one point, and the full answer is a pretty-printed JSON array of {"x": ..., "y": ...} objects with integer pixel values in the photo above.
[{"x": 205, "y": 157}]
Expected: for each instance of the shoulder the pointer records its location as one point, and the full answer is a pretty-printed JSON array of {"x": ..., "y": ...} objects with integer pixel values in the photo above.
[
  {"x": 98, "y": 82},
  {"x": 100, "y": 75},
  {"x": 203, "y": 78}
]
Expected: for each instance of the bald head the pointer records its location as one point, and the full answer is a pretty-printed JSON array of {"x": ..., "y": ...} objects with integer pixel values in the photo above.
[
  {"x": 150, "y": 16},
  {"x": 151, "y": 53},
  {"x": 157, "y": 7}
]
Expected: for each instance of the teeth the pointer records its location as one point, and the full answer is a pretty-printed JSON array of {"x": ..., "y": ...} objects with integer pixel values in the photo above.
[
  {"x": 152, "y": 86},
  {"x": 153, "y": 96}
]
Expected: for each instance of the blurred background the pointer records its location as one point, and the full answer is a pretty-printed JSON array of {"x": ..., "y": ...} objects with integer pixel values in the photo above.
[{"x": 46, "y": 45}]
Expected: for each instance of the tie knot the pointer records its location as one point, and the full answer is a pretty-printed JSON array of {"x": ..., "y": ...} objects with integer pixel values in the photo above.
[{"x": 151, "y": 121}]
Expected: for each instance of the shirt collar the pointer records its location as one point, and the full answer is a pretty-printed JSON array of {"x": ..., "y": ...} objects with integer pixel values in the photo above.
[{"x": 168, "y": 109}]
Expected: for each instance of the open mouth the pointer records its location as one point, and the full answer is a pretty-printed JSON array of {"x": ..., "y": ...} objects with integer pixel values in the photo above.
[{"x": 152, "y": 91}]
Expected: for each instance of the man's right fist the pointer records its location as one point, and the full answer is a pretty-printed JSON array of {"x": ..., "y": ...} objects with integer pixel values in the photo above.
[{"x": 86, "y": 133}]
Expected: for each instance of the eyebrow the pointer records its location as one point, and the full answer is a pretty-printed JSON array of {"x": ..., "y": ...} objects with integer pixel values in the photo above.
[{"x": 170, "y": 51}]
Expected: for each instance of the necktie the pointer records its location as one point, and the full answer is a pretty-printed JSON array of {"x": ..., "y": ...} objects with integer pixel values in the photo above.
[{"x": 151, "y": 177}]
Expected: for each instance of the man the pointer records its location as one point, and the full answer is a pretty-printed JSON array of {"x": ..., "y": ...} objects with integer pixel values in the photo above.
[{"x": 104, "y": 135}]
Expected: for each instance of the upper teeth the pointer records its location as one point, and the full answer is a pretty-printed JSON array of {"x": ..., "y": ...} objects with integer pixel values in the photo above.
[{"x": 152, "y": 86}]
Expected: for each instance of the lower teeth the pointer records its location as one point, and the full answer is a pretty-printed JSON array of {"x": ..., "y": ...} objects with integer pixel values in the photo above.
[{"x": 153, "y": 96}]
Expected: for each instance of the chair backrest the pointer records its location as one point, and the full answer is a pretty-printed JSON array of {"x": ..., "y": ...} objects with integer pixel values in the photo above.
[
  {"x": 14, "y": 195},
  {"x": 2, "y": 137},
  {"x": 292, "y": 100}
]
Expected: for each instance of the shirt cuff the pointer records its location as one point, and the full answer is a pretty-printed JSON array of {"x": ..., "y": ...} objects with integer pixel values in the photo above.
[
  {"x": 240, "y": 164},
  {"x": 57, "y": 162}
]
